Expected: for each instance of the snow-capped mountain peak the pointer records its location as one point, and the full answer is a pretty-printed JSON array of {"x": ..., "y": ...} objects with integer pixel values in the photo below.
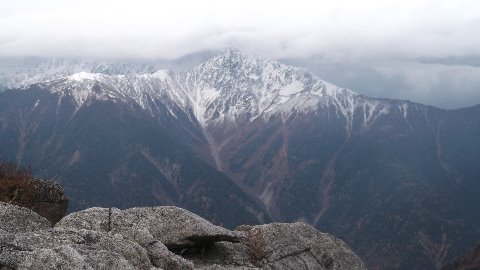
[
  {"x": 230, "y": 87},
  {"x": 237, "y": 87}
]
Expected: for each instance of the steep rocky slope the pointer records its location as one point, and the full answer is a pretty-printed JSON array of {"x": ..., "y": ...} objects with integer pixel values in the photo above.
[{"x": 111, "y": 153}]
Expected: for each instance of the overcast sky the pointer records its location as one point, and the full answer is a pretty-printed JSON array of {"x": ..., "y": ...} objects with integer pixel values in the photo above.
[{"x": 399, "y": 49}]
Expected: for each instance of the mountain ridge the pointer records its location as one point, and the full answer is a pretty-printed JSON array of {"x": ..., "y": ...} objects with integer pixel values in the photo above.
[
  {"x": 238, "y": 138},
  {"x": 276, "y": 89}
]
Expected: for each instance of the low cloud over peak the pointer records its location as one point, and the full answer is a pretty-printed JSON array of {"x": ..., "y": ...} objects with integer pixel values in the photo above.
[
  {"x": 160, "y": 29},
  {"x": 422, "y": 50}
]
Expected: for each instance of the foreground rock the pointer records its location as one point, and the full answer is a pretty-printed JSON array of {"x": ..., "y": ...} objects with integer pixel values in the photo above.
[
  {"x": 161, "y": 238},
  {"x": 281, "y": 246},
  {"x": 15, "y": 219},
  {"x": 45, "y": 197},
  {"x": 175, "y": 227}
]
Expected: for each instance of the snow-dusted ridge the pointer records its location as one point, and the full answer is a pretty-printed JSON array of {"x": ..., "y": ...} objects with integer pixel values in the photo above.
[
  {"x": 230, "y": 87},
  {"x": 31, "y": 71}
]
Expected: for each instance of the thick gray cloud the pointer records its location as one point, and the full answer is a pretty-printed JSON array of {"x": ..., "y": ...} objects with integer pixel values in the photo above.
[
  {"x": 361, "y": 44},
  {"x": 169, "y": 29},
  {"x": 446, "y": 86}
]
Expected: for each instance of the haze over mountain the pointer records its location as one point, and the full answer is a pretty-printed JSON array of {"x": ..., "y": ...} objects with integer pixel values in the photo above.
[
  {"x": 239, "y": 139},
  {"x": 380, "y": 48}
]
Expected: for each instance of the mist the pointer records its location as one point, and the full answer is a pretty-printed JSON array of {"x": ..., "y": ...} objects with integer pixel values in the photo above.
[{"x": 417, "y": 50}]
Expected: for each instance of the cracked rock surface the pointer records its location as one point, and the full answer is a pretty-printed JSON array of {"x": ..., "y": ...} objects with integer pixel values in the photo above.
[
  {"x": 175, "y": 227},
  {"x": 161, "y": 238},
  {"x": 280, "y": 246}
]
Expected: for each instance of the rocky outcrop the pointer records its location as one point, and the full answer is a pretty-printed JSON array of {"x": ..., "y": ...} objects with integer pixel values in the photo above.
[
  {"x": 45, "y": 197},
  {"x": 161, "y": 238},
  {"x": 175, "y": 227},
  {"x": 280, "y": 246},
  {"x": 14, "y": 219}
]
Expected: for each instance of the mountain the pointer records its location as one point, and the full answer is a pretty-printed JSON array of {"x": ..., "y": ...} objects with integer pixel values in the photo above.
[
  {"x": 244, "y": 140},
  {"x": 108, "y": 150},
  {"x": 468, "y": 261},
  {"x": 21, "y": 72}
]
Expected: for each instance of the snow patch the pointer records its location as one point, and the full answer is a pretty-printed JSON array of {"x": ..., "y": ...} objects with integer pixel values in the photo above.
[
  {"x": 292, "y": 88},
  {"x": 267, "y": 195},
  {"x": 162, "y": 74},
  {"x": 330, "y": 89},
  {"x": 80, "y": 76},
  {"x": 405, "y": 110},
  {"x": 210, "y": 94},
  {"x": 254, "y": 77}
]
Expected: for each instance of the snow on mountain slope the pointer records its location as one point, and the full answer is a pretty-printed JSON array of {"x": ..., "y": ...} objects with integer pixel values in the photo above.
[
  {"x": 229, "y": 88},
  {"x": 32, "y": 71},
  {"x": 233, "y": 87},
  {"x": 145, "y": 89}
]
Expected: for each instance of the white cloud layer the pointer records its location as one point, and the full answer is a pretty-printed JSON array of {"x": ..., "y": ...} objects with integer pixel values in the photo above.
[
  {"x": 168, "y": 29},
  {"x": 374, "y": 47}
]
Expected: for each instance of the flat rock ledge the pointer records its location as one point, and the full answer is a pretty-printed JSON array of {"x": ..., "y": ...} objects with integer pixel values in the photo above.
[{"x": 163, "y": 237}]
